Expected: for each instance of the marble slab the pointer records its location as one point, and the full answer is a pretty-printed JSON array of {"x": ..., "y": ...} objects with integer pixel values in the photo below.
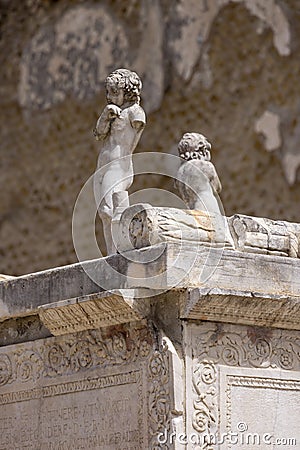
[
  {"x": 105, "y": 389},
  {"x": 259, "y": 408},
  {"x": 242, "y": 383}
]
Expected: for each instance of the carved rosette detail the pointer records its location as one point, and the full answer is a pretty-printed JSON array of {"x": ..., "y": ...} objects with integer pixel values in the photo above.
[
  {"x": 119, "y": 345},
  {"x": 243, "y": 349},
  {"x": 56, "y": 359},
  {"x": 285, "y": 359},
  {"x": 5, "y": 370},
  {"x": 29, "y": 366},
  {"x": 81, "y": 356},
  {"x": 205, "y": 413},
  {"x": 159, "y": 397},
  {"x": 75, "y": 353},
  {"x": 144, "y": 349}
]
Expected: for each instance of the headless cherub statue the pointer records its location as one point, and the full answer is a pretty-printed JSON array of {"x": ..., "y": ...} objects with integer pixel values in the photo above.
[{"x": 119, "y": 129}]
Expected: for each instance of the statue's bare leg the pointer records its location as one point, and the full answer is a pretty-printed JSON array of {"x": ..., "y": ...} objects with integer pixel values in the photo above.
[{"x": 106, "y": 223}]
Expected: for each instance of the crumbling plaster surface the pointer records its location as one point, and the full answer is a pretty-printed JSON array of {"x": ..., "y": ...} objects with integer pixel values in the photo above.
[
  {"x": 63, "y": 57},
  {"x": 268, "y": 125},
  {"x": 281, "y": 131},
  {"x": 209, "y": 66},
  {"x": 194, "y": 29}
]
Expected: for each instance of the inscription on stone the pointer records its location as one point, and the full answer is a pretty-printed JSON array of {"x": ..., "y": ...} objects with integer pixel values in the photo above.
[
  {"x": 93, "y": 413},
  {"x": 103, "y": 389}
]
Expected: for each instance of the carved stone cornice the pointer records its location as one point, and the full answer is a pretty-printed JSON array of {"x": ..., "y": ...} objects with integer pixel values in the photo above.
[
  {"x": 92, "y": 311},
  {"x": 248, "y": 308},
  {"x": 224, "y": 285}
]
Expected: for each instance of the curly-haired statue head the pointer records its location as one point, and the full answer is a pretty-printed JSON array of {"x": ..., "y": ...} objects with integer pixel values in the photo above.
[
  {"x": 118, "y": 129},
  {"x": 194, "y": 146},
  {"x": 126, "y": 81},
  {"x": 196, "y": 170}
]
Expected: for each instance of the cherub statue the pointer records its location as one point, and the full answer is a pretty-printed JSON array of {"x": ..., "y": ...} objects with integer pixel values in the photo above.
[
  {"x": 119, "y": 129},
  {"x": 197, "y": 179}
]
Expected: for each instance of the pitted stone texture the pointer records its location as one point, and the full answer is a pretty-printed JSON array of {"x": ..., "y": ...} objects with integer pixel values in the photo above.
[
  {"x": 22, "y": 329},
  {"x": 46, "y": 156},
  {"x": 195, "y": 28},
  {"x": 64, "y": 59}
]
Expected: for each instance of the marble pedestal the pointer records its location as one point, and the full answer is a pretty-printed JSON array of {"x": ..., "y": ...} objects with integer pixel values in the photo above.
[{"x": 198, "y": 364}]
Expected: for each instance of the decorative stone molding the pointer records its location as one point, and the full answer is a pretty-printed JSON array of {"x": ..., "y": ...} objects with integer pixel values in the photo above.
[
  {"x": 159, "y": 401},
  {"x": 244, "y": 384},
  {"x": 91, "y": 362},
  {"x": 214, "y": 346},
  {"x": 92, "y": 311},
  {"x": 113, "y": 346},
  {"x": 205, "y": 415},
  {"x": 249, "y": 348},
  {"x": 250, "y": 308}
]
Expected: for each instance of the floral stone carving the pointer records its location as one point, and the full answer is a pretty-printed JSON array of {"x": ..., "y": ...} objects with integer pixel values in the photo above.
[{"x": 230, "y": 346}]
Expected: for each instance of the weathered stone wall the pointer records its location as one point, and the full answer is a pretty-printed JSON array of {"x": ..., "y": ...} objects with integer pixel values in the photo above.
[
  {"x": 227, "y": 68},
  {"x": 96, "y": 377}
]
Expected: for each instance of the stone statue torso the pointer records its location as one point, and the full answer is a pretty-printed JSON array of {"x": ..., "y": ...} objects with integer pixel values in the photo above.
[{"x": 123, "y": 136}]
